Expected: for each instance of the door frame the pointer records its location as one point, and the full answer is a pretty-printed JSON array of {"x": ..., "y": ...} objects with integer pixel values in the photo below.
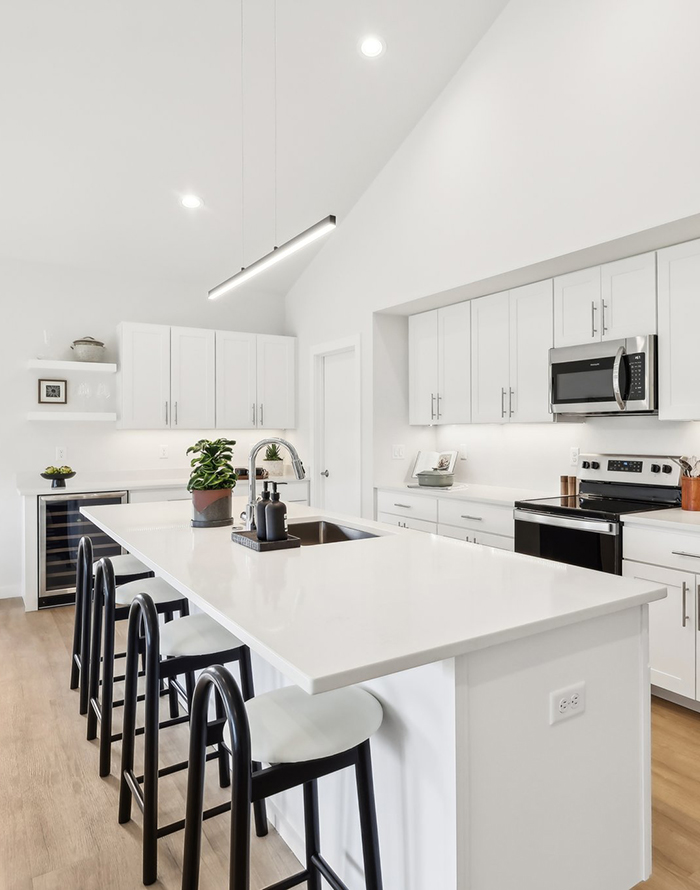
[{"x": 318, "y": 354}]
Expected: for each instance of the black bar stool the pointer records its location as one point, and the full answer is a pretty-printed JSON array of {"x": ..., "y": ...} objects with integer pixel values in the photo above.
[
  {"x": 126, "y": 568},
  {"x": 188, "y": 644},
  {"x": 305, "y": 737},
  {"x": 114, "y": 601}
]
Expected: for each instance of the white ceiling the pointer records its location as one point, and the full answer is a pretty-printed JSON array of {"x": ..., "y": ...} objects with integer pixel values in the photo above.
[{"x": 110, "y": 111}]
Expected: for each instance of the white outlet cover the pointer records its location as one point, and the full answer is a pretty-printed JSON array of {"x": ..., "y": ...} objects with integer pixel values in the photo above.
[
  {"x": 574, "y": 456},
  {"x": 462, "y": 449},
  {"x": 163, "y": 452},
  {"x": 567, "y": 703},
  {"x": 398, "y": 452},
  {"x": 61, "y": 452}
]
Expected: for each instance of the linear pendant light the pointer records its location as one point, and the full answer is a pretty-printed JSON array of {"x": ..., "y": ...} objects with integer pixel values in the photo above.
[
  {"x": 279, "y": 253},
  {"x": 289, "y": 247}
]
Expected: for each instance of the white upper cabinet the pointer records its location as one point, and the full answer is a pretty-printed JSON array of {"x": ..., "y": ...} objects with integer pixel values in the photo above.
[
  {"x": 192, "y": 378},
  {"x": 236, "y": 380},
  {"x": 577, "y": 308},
  {"x": 276, "y": 382},
  {"x": 679, "y": 319},
  {"x": 144, "y": 376},
  {"x": 454, "y": 364},
  {"x": 422, "y": 367},
  {"x": 531, "y": 335},
  {"x": 490, "y": 358},
  {"x": 628, "y": 297}
]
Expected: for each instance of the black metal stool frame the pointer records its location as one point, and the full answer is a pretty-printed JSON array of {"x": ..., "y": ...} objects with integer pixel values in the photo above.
[
  {"x": 249, "y": 785},
  {"x": 144, "y": 789}
]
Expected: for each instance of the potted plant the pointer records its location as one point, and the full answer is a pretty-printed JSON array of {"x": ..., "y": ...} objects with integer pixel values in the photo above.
[
  {"x": 273, "y": 463},
  {"x": 211, "y": 482}
]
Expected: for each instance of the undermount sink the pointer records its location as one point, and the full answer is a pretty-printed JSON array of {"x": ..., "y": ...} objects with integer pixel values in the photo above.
[{"x": 319, "y": 531}]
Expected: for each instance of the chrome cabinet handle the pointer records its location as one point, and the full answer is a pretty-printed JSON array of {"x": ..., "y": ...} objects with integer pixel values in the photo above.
[
  {"x": 476, "y": 518},
  {"x": 503, "y": 401},
  {"x": 167, "y": 422},
  {"x": 405, "y": 506},
  {"x": 175, "y": 413},
  {"x": 683, "y": 553},
  {"x": 511, "y": 393},
  {"x": 685, "y": 603},
  {"x": 593, "y": 310},
  {"x": 432, "y": 406},
  {"x": 439, "y": 397},
  {"x": 603, "y": 317},
  {"x": 325, "y": 473},
  {"x": 252, "y": 416},
  {"x": 262, "y": 422}
]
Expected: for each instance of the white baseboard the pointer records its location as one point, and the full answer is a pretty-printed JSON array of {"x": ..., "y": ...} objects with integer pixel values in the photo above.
[
  {"x": 9, "y": 591},
  {"x": 286, "y": 831}
]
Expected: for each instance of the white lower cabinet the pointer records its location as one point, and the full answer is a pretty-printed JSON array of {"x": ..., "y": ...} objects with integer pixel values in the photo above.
[
  {"x": 673, "y": 628},
  {"x": 419, "y": 525}
]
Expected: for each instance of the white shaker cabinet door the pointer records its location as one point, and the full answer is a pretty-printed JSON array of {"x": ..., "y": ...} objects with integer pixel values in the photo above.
[
  {"x": 423, "y": 367},
  {"x": 577, "y": 308},
  {"x": 672, "y": 627},
  {"x": 628, "y": 289},
  {"x": 531, "y": 338},
  {"x": 144, "y": 376},
  {"x": 679, "y": 321},
  {"x": 454, "y": 392},
  {"x": 236, "y": 373},
  {"x": 490, "y": 358},
  {"x": 193, "y": 378},
  {"x": 276, "y": 385}
]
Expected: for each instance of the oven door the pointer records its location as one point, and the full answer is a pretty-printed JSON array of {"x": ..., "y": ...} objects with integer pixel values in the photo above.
[{"x": 590, "y": 543}]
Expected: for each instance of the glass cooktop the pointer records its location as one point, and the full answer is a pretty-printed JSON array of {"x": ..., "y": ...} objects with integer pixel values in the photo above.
[{"x": 590, "y": 506}]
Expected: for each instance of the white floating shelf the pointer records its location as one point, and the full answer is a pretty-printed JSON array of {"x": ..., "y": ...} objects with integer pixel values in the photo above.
[
  {"x": 83, "y": 416},
  {"x": 47, "y": 364}
]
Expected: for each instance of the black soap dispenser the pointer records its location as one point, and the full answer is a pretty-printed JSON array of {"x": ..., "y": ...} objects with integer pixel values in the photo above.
[
  {"x": 276, "y": 517},
  {"x": 260, "y": 523}
]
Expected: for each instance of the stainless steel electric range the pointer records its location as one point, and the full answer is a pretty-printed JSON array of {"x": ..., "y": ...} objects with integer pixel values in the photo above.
[{"x": 586, "y": 529}]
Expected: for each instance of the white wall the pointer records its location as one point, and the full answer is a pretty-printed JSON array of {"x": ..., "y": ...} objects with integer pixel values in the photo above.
[
  {"x": 68, "y": 304},
  {"x": 571, "y": 124}
]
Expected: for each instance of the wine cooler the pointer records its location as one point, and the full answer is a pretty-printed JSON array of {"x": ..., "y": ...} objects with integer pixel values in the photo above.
[{"x": 61, "y": 526}]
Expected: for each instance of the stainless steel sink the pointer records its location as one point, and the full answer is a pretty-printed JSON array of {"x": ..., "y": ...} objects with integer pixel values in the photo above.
[{"x": 319, "y": 531}]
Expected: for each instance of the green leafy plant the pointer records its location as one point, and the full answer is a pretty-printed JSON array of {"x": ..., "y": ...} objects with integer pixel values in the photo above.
[
  {"x": 272, "y": 452},
  {"x": 212, "y": 469}
]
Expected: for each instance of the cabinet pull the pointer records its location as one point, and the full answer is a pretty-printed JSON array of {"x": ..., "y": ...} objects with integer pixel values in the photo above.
[
  {"x": 511, "y": 393},
  {"x": 603, "y": 317},
  {"x": 503, "y": 401},
  {"x": 253, "y": 414},
  {"x": 166, "y": 414},
  {"x": 476, "y": 518},
  {"x": 685, "y": 603},
  {"x": 438, "y": 405},
  {"x": 175, "y": 413},
  {"x": 593, "y": 309},
  {"x": 262, "y": 422},
  {"x": 432, "y": 406},
  {"x": 405, "y": 506},
  {"x": 683, "y": 553}
]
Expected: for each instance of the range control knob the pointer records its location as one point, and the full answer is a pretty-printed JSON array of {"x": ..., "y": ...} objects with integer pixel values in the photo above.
[
  {"x": 655, "y": 468},
  {"x": 585, "y": 465},
  {"x": 595, "y": 465},
  {"x": 667, "y": 468}
]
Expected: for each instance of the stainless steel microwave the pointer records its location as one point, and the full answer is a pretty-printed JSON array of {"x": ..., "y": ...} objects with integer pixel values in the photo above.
[{"x": 614, "y": 377}]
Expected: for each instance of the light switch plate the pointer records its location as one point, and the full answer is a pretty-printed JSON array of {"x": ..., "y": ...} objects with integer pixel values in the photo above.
[
  {"x": 163, "y": 452},
  {"x": 61, "y": 455}
]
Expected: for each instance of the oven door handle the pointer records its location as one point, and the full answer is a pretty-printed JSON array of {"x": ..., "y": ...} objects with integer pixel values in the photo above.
[
  {"x": 621, "y": 404},
  {"x": 584, "y": 525}
]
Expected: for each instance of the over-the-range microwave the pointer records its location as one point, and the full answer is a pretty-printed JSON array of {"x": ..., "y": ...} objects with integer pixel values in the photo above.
[{"x": 613, "y": 377}]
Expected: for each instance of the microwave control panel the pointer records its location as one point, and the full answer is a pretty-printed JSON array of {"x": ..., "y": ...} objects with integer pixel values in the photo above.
[{"x": 636, "y": 363}]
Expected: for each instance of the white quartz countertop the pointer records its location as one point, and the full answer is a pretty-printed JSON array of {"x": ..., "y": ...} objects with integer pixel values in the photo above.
[
  {"x": 31, "y": 484},
  {"x": 468, "y": 491},
  {"x": 337, "y": 614},
  {"x": 674, "y": 519}
]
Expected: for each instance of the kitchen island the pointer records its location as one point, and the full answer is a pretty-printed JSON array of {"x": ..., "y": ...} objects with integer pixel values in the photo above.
[{"x": 470, "y": 649}]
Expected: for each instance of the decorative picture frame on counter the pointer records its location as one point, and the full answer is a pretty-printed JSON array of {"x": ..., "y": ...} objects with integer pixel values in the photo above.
[
  {"x": 53, "y": 392},
  {"x": 434, "y": 460}
]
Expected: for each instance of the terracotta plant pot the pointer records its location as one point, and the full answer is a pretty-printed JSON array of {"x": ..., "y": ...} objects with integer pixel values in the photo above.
[
  {"x": 212, "y": 509},
  {"x": 690, "y": 492}
]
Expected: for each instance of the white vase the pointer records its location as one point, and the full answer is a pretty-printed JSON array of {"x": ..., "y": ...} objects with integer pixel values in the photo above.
[{"x": 274, "y": 467}]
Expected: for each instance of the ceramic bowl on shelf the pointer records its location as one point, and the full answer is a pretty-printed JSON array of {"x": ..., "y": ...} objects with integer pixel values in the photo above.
[
  {"x": 58, "y": 480},
  {"x": 87, "y": 349}
]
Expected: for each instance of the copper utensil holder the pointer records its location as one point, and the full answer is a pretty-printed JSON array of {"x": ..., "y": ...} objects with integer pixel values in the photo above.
[{"x": 690, "y": 492}]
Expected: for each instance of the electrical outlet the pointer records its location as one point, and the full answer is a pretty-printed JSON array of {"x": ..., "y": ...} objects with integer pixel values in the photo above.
[
  {"x": 462, "y": 449},
  {"x": 565, "y": 703},
  {"x": 398, "y": 452},
  {"x": 61, "y": 455},
  {"x": 573, "y": 456},
  {"x": 163, "y": 452}
]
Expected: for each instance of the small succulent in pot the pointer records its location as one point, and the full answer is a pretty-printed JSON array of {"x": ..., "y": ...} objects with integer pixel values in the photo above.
[
  {"x": 274, "y": 462},
  {"x": 211, "y": 482}
]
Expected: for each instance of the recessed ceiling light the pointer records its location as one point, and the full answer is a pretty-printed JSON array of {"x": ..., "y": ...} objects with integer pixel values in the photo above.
[
  {"x": 372, "y": 46},
  {"x": 191, "y": 202}
]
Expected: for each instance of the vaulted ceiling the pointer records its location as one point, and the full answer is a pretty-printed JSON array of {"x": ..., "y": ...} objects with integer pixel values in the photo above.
[{"x": 111, "y": 111}]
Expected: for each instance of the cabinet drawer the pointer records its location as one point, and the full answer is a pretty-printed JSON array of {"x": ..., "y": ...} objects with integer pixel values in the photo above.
[
  {"x": 153, "y": 495},
  {"x": 661, "y": 547},
  {"x": 419, "y": 525},
  {"x": 502, "y": 542},
  {"x": 489, "y": 518},
  {"x": 413, "y": 505}
]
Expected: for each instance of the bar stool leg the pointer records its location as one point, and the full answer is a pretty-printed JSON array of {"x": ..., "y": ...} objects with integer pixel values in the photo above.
[
  {"x": 248, "y": 692},
  {"x": 107, "y": 697},
  {"x": 77, "y": 627},
  {"x": 172, "y": 691},
  {"x": 93, "y": 687},
  {"x": 368, "y": 818},
  {"x": 312, "y": 833},
  {"x": 85, "y": 583},
  {"x": 224, "y": 767}
]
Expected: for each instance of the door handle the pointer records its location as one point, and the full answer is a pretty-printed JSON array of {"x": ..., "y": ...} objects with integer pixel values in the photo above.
[
  {"x": 432, "y": 406},
  {"x": 503, "y": 401},
  {"x": 262, "y": 422},
  {"x": 252, "y": 416},
  {"x": 167, "y": 422},
  {"x": 685, "y": 603},
  {"x": 593, "y": 309},
  {"x": 603, "y": 316},
  {"x": 175, "y": 413},
  {"x": 475, "y": 518},
  {"x": 616, "y": 379},
  {"x": 683, "y": 553},
  {"x": 438, "y": 405},
  {"x": 511, "y": 393},
  {"x": 325, "y": 473}
]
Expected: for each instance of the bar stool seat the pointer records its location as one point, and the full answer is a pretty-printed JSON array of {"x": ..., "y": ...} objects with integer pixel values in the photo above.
[
  {"x": 158, "y": 590},
  {"x": 290, "y": 726},
  {"x": 124, "y": 565},
  {"x": 195, "y": 635}
]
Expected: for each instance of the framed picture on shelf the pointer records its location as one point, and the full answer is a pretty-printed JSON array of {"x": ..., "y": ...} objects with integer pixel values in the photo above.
[
  {"x": 52, "y": 392},
  {"x": 434, "y": 460}
]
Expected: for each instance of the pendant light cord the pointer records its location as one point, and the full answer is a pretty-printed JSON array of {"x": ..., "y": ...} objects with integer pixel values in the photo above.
[{"x": 242, "y": 156}]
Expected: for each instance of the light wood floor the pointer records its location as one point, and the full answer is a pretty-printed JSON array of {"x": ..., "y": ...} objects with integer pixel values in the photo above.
[{"x": 58, "y": 825}]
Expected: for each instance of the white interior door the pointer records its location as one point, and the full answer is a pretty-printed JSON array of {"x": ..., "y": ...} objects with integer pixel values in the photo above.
[
  {"x": 236, "y": 402},
  {"x": 192, "y": 379},
  {"x": 423, "y": 367},
  {"x": 276, "y": 382},
  {"x": 338, "y": 432}
]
